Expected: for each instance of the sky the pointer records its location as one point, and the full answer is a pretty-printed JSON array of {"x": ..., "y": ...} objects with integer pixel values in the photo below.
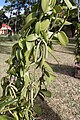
[{"x": 2, "y": 2}]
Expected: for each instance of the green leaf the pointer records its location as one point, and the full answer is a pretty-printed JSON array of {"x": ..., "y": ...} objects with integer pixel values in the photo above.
[
  {"x": 26, "y": 114},
  {"x": 8, "y": 103},
  {"x": 62, "y": 21},
  {"x": 21, "y": 72},
  {"x": 49, "y": 77},
  {"x": 15, "y": 46},
  {"x": 23, "y": 92},
  {"x": 26, "y": 79},
  {"x": 37, "y": 109},
  {"x": 14, "y": 87},
  {"x": 27, "y": 54},
  {"x": 21, "y": 55},
  {"x": 68, "y": 3},
  {"x": 67, "y": 23},
  {"x": 44, "y": 51},
  {"x": 31, "y": 37},
  {"x": 37, "y": 28},
  {"x": 21, "y": 43},
  {"x": 12, "y": 71},
  {"x": 50, "y": 34},
  {"x": 51, "y": 52},
  {"x": 3, "y": 98},
  {"x": 36, "y": 88},
  {"x": 29, "y": 45},
  {"x": 30, "y": 19},
  {"x": 58, "y": 9},
  {"x": 9, "y": 61},
  {"x": 48, "y": 68},
  {"x": 37, "y": 52},
  {"x": 5, "y": 117},
  {"x": 18, "y": 54},
  {"x": 45, "y": 5},
  {"x": 53, "y": 3},
  {"x": 32, "y": 96},
  {"x": 15, "y": 115},
  {"x": 46, "y": 93},
  {"x": 62, "y": 38},
  {"x": 45, "y": 36},
  {"x": 45, "y": 25},
  {"x": 18, "y": 83}
]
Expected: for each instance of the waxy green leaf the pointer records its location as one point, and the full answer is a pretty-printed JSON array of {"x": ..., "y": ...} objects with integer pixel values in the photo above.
[
  {"x": 53, "y": 2},
  {"x": 68, "y": 3},
  {"x": 30, "y": 19},
  {"x": 45, "y": 25},
  {"x": 49, "y": 77},
  {"x": 29, "y": 45},
  {"x": 44, "y": 5},
  {"x": 37, "y": 109},
  {"x": 31, "y": 37},
  {"x": 21, "y": 43},
  {"x": 26, "y": 79},
  {"x": 46, "y": 93},
  {"x": 5, "y": 117},
  {"x": 37, "y": 28},
  {"x": 48, "y": 68},
  {"x": 62, "y": 38},
  {"x": 8, "y": 102}
]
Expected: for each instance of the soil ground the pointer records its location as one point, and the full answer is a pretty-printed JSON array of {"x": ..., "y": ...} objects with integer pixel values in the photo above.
[{"x": 65, "y": 101}]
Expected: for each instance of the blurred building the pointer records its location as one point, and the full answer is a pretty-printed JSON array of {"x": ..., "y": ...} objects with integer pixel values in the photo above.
[{"x": 6, "y": 30}]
